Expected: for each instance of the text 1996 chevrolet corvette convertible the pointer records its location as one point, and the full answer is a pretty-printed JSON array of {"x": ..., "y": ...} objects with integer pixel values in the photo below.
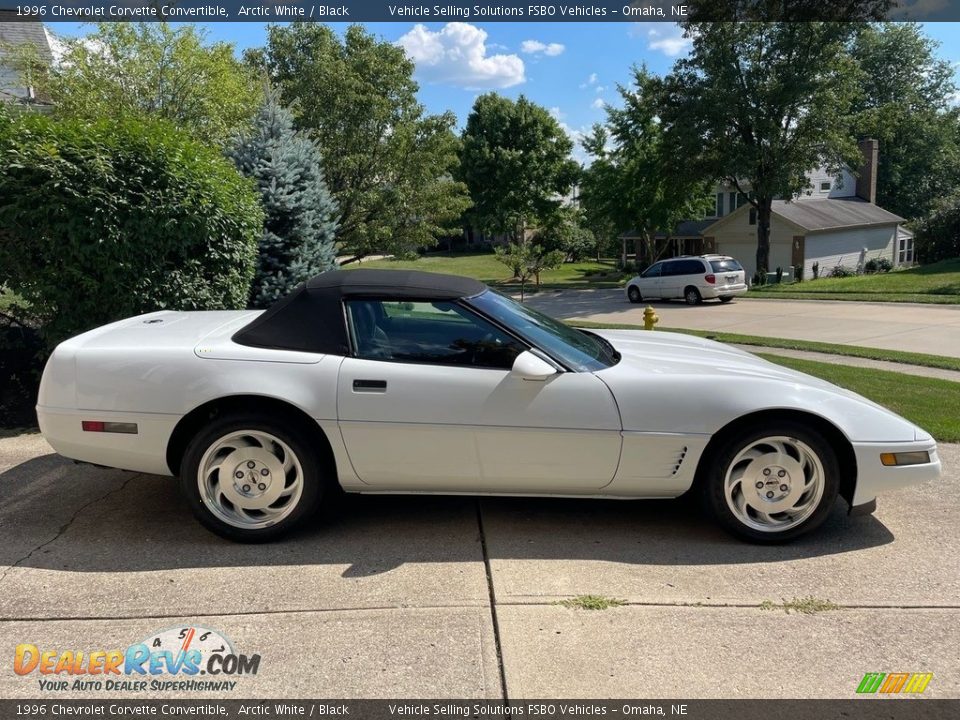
[{"x": 384, "y": 381}]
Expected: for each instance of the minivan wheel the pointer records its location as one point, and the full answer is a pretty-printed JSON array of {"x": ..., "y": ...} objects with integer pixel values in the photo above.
[
  {"x": 772, "y": 483},
  {"x": 726, "y": 299},
  {"x": 250, "y": 478},
  {"x": 691, "y": 295},
  {"x": 633, "y": 294}
]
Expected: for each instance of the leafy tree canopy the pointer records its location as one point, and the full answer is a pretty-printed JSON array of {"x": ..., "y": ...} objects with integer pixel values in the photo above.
[
  {"x": 633, "y": 182},
  {"x": 389, "y": 165},
  {"x": 516, "y": 163},
  {"x": 906, "y": 103},
  {"x": 759, "y": 104},
  {"x": 153, "y": 68}
]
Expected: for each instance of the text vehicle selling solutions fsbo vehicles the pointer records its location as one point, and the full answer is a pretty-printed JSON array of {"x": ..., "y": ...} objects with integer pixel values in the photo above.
[{"x": 380, "y": 381}]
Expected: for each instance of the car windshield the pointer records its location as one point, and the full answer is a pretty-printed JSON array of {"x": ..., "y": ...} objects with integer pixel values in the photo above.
[
  {"x": 578, "y": 350},
  {"x": 725, "y": 265}
]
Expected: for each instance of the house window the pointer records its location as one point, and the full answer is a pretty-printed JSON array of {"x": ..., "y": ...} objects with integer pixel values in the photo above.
[
  {"x": 825, "y": 186},
  {"x": 905, "y": 251},
  {"x": 753, "y": 216},
  {"x": 719, "y": 209},
  {"x": 733, "y": 201}
]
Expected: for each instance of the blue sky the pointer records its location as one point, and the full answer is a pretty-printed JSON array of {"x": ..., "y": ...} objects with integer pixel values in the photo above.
[{"x": 571, "y": 68}]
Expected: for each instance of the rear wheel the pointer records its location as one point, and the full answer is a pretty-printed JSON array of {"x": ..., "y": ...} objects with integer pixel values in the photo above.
[
  {"x": 251, "y": 479},
  {"x": 726, "y": 299},
  {"x": 772, "y": 483},
  {"x": 633, "y": 294},
  {"x": 691, "y": 295}
]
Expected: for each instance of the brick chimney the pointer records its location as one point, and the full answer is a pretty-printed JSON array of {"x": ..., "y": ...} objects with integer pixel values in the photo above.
[{"x": 867, "y": 180}]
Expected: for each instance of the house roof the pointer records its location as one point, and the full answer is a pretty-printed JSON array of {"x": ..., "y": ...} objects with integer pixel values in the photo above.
[
  {"x": 686, "y": 228},
  {"x": 23, "y": 33},
  {"x": 830, "y": 213}
]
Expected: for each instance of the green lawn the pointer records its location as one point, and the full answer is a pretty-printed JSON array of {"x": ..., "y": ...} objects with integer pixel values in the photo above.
[
  {"x": 935, "y": 283},
  {"x": 930, "y": 403},
  {"x": 485, "y": 268},
  {"x": 899, "y": 356}
]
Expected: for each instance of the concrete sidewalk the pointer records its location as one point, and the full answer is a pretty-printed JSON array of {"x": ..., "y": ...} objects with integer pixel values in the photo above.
[
  {"x": 393, "y": 597},
  {"x": 933, "y": 329}
]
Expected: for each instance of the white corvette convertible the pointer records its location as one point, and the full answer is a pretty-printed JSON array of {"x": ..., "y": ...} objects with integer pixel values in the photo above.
[{"x": 380, "y": 381}]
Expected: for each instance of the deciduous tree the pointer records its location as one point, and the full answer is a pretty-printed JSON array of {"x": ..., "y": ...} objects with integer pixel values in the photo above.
[
  {"x": 757, "y": 105},
  {"x": 516, "y": 163}
]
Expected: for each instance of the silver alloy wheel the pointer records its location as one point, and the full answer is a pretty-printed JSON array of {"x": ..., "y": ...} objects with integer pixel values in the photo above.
[
  {"x": 774, "y": 484},
  {"x": 692, "y": 297},
  {"x": 250, "y": 479}
]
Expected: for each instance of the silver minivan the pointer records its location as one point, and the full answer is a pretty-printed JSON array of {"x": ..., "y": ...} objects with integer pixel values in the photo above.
[{"x": 692, "y": 277}]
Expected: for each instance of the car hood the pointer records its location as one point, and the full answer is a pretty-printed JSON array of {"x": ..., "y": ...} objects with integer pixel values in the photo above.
[
  {"x": 666, "y": 353},
  {"x": 697, "y": 385}
]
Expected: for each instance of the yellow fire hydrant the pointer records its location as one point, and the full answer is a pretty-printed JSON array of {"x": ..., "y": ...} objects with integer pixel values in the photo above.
[{"x": 650, "y": 318}]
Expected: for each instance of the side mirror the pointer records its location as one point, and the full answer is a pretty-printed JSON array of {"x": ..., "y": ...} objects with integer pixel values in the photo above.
[{"x": 529, "y": 367}]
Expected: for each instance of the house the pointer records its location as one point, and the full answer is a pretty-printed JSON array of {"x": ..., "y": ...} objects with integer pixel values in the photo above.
[
  {"x": 14, "y": 37},
  {"x": 836, "y": 221}
]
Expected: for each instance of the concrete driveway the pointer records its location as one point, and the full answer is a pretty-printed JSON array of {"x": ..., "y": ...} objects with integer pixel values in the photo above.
[
  {"x": 391, "y": 598},
  {"x": 894, "y": 326}
]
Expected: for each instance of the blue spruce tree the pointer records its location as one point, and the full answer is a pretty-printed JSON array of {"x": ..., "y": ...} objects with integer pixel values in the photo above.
[{"x": 301, "y": 215}]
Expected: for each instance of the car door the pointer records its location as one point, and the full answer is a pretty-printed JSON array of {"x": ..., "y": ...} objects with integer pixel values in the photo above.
[
  {"x": 649, "y": 282},
  {"x": 428, "y": 402},
  {"x": 670, "y": 280}
]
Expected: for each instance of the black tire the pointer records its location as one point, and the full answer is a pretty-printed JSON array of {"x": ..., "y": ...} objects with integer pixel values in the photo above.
[
  {"x": 692, "y": 296},
  {"x": 711, "y": 483},
  {"x": 726, "y": 299},
  {"x": 312, "y": 481},
  {"x": 634, "y": 295}
]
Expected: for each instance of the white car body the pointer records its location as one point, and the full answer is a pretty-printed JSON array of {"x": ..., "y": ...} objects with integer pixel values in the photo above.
[
  {"x": 674, "y": 278},
  {"x": 633, "y": 430}
]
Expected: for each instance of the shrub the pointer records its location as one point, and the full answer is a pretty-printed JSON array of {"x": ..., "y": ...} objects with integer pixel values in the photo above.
[
  {"x": 816, "y": 270},
  {"x": 884, "y": 264},
  {"x": 842, "y": 271},
  {"x": 297, "y": 239},
  {"x": 798, "y": 273},
  {"x": 103, "y": 220},
  {"x": 870, "y": 266}
]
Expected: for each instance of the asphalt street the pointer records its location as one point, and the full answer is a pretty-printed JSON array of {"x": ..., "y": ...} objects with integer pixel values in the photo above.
[
  {"x": 394, "y": 597},
  {"x": 893, "y": 326}
]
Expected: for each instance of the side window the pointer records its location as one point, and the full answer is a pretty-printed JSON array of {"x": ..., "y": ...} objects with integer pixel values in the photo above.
[
  {"x": 668, "y": 269},
  {"x": 653, "y": 271},
  {"x": 418, "y": 331}
]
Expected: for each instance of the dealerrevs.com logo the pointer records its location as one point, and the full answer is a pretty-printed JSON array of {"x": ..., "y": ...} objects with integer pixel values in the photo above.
[{"x": 178, "y": 659}]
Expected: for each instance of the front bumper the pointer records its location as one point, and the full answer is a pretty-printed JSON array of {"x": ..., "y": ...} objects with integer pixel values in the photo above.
[{"x": 874, "y": 478}]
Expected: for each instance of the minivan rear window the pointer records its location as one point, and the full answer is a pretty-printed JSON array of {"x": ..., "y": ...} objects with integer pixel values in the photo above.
[{"x": 727, "y": 265}]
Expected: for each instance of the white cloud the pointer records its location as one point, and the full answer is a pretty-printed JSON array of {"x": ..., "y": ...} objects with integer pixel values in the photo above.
[
  {"x": 535, "y": 47},
  {"x": 557, "y": 113},
  {"x": 457, "y": 55},
  {"x": 666, "y": 38},
  {"x": 600, "y": 89},
  {"x": 598, "y": 104},
  {"x": 592, "y": 80}
]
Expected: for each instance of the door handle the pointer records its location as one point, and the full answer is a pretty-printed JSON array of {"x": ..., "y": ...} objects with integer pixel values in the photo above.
[{"x": 369, "y": 385}]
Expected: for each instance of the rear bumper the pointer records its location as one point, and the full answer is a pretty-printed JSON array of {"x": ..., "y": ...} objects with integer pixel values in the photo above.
[
  {"x": 725, "y": 291},
  {"x": 145, "y": 451},
  {"x": 874, "y": 478}
]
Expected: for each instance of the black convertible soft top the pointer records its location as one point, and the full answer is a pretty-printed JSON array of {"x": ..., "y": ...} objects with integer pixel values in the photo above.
[{"x": 311, "y": 318}]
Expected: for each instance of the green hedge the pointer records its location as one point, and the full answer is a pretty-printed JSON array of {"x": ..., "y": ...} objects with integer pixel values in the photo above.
[{"x": 100, "y": 221}]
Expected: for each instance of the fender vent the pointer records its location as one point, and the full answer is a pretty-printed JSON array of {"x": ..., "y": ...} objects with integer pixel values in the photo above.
[{"x": 683, "y": 454}]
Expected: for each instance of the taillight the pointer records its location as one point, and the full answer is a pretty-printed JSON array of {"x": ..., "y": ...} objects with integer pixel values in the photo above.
[{"x": 711, "y": 279}]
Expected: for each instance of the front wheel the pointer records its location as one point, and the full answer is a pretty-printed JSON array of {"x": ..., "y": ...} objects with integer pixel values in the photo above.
[
  {"x": 251, "y": 479},
  {"x": 772, "y": 484},
  {"x": 633, "y": 294}
]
